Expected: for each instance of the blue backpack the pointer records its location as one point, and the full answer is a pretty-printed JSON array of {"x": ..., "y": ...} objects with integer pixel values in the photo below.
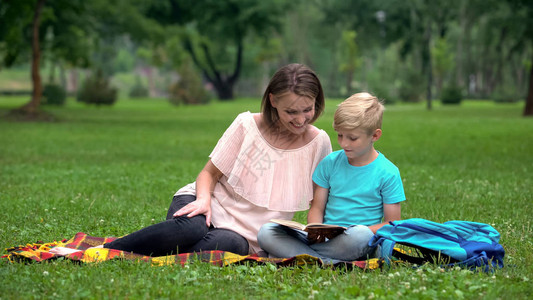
[{"x": 453, "y": 243}]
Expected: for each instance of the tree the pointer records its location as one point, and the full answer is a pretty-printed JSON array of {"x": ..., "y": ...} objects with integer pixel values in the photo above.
[
  {"x": 66, "y": 31},
  {"x": 525, "y": 38},
  {"x": 214, "y": 33},
  {"x": 528, "y": 110},
  {"x": 505, "y": 42},
  {"x": 17, "y": 13},
  {"x": 414, "y": 24},
  {"x": 350, "y": 59},
  {"x": 426, "y": 19},
  {"x": 51, "y": 31},
  {"x": 442, "y": 61},
  {"x": 31, "y": 107}
]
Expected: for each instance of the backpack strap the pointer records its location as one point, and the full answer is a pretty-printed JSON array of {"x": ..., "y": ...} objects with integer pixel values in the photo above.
[
  {"x": 414, "y": 254},
  {"x": 385, "y": 247}
]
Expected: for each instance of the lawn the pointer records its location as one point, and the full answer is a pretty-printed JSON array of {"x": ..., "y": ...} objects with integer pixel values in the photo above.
[{"x": 109, "y": 171}]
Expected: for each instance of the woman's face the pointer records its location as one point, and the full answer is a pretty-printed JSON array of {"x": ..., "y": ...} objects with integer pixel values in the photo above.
[{"x": 295, "y": 112}]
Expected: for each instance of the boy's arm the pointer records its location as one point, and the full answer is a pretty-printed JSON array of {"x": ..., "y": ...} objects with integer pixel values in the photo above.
[
  {"x": 391, "y": 212},
  {"x": 316, "y": 212},
  {"x": 318, "y": 205}
]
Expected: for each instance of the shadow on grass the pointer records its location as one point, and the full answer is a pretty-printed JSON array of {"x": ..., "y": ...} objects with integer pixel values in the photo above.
[{"x": 20, "y": 115}]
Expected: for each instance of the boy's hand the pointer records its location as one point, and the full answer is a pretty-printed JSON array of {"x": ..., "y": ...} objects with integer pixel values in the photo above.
[
  {"x": 319, "y": 235},
  {"x": 314, "y": 237}
]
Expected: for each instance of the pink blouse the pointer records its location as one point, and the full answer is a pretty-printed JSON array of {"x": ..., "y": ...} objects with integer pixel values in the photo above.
[{"x": 260, "y": 182}]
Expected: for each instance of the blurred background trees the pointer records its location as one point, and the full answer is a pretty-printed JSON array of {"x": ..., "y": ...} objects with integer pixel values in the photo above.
[{"x": 411, "y": 50}]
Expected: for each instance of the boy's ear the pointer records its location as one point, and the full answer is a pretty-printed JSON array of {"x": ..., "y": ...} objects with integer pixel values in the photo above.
[
  {"x": 271, "y": 99},
  {"x": 376, "y": 135}
]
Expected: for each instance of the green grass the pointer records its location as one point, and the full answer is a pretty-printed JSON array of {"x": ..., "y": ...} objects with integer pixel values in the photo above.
[{"x": 109, "y": 171}]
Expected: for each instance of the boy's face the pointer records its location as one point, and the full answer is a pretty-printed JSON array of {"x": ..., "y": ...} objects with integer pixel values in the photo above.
[{"x": 358, "y": 145}]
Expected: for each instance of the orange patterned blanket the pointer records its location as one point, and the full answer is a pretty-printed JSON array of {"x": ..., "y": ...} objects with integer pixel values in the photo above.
[{"x": 38, "y": 252}]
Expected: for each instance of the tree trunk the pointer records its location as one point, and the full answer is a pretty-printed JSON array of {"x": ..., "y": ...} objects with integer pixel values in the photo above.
[
  {"x": 349, "y": 79},
  {"x": 32, "y": 106},
  {"x": 528, "y": 111},
  {"x": 459, "y": 81},
  {"x": 149, "y": 73},
  {"x": 72, "y": 84},
  {"x": 426, "y": 63},
  {"x": 468, "y": 65},
  {"x": 223, "y": 84},
  {"x": 62, "y": 77},
  {"x": 496, "y": 78},
  {"x": 52, "y": 74},
  {"x": 224, "y": 90}
]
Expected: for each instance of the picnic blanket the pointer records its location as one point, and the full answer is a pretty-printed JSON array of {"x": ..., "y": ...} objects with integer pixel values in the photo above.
[{"x": 39, "y": 252}]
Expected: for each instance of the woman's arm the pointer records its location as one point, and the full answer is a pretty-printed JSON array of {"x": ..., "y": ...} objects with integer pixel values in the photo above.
[
  {"x": 391, "y": 212},
  {"x": 205, "y": 184}
]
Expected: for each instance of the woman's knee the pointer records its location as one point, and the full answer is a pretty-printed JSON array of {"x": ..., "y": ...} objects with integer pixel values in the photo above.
[
  {"x": 177, "y": 203},
  {"x": 223, "y": 240},
  {"x": 234, "y": 242}
]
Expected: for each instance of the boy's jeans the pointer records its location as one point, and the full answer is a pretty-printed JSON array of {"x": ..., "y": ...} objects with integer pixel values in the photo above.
[{"x": 281, "y": 241}]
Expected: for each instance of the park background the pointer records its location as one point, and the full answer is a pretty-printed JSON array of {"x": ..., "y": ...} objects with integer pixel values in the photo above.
[{"x": 107, "y": 109}]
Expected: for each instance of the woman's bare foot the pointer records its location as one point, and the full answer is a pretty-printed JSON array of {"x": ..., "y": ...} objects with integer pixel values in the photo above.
[{"x": 63, "y": 251}]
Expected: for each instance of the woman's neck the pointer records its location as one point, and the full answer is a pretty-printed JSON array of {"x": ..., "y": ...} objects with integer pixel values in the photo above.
[
  {"x": 282, "y": 138},
  {"x": 285, "y": 139}
]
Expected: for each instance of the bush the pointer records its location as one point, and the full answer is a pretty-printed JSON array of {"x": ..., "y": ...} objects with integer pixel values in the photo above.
[
  {"x": 189, "y": 89},
  {"x": 412, "y": 88},
  {"x": 506, "y": 94},
  {"x": 451, "y": 95},
  {"x": 138, "y": 90},
  {"x": 96, "y": 90},
  {"x": 54, "y": 94},
  {"x": 384, "y": 94}
]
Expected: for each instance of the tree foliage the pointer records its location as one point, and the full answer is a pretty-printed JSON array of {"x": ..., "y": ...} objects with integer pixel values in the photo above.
[
  {"x": 189, "y": 88},
  {"x": 412, "y": 49},
  {"x": 349, "y": 56},
  {"x": 214, "y": 33}
]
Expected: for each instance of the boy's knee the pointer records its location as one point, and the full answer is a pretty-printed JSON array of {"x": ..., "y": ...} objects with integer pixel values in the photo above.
[
  {"x": 360, "y": 233},
  {"x": 265, "y": 233},
  {"x": 264, "y": 230}
]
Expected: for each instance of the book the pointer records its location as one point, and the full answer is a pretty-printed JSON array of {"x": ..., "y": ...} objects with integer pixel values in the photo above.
[{"x": 316, "y": 232}]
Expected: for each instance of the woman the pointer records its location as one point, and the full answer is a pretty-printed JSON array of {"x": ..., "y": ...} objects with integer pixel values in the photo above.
[{"x": 260, "y": 169}]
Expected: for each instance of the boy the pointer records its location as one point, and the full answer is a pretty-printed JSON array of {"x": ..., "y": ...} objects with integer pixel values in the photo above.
[{"x": 355, "y": 185}]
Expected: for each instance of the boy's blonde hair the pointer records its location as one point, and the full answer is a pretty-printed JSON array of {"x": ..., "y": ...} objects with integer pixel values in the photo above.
[{"x": 361, "y": 110}]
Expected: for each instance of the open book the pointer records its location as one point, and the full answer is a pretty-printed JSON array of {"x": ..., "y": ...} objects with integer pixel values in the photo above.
[{"x": 317, "y": 232}]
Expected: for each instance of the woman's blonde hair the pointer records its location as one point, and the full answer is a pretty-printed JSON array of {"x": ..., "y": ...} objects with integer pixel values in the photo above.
[
  {"x": 297, "y": 79},
  {"x": 361, "y": 110}
]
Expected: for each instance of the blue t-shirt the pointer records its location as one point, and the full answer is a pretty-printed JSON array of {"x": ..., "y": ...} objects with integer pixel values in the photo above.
[{"x": 357, "y": 194}]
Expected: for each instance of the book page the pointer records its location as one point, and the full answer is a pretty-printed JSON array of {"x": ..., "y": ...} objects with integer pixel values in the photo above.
[
  {"x": 321, "y": 225},
  {"x": 291, "y": 224}
]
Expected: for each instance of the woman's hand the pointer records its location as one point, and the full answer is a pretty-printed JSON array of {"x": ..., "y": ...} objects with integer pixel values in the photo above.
[
  {"x": 198, "y": 207},
  {"x": 205, "y": 184}
]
